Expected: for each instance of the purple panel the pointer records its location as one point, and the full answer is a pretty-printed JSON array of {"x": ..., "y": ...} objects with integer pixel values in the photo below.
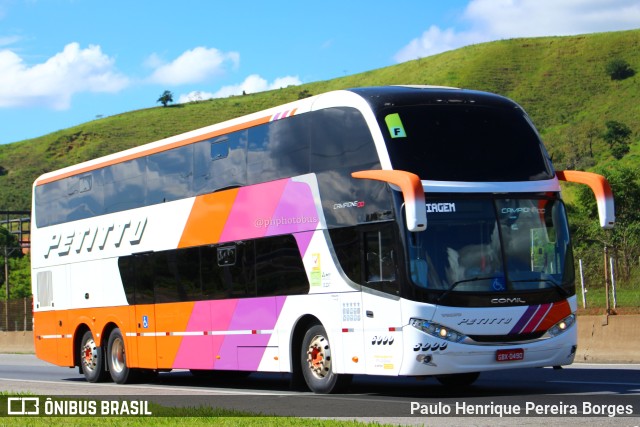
[
  {"x": 524, "y": 319},
  {"x": 296, "y": 211},
  {"x": 256, "y": 314},
  {"x": 252, "y": 211},
  {"x": 303, "y": 240}
]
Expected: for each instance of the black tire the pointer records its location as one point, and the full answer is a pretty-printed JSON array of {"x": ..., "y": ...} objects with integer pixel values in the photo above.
[
  {"x": 117, "y": 360},
  {"x": 317, "y": 363},
  {"x": 218, "y": 375},
  {"x": 458, "y": 380},
  {"x": 92, "y": 359}
]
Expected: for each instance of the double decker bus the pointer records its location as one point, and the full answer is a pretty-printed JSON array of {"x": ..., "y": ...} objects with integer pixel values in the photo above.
[{"x": 400, "y": 231}]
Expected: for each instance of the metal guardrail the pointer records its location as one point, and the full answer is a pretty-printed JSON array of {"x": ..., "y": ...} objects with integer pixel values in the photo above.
[
  {"x": 16, "y": 315},
  {"x": 19, "y": 224}
]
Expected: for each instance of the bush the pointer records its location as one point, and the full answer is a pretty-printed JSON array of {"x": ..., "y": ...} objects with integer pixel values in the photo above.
[
  {"x": 619, "y": 69},
  {"x": 618, "y": 136}
]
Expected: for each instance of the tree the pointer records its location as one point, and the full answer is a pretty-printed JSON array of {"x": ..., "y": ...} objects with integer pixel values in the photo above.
[
  {"x": 304, "y": 94},
  {"x": 592, "y": 132},
  {"x": 625, "y": 236},
  {"x": 9, "y": 251},
  {"x": 10, "y": 241},
  {"x": 618, "y": 137},
  {"x": 619, "y": 69},
  {"x": 165, "y": 98},
  {"x": 19, "y": 278}
]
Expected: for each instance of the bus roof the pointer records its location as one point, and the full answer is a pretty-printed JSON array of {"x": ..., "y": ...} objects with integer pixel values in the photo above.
[{"x": 375, "y": 97}]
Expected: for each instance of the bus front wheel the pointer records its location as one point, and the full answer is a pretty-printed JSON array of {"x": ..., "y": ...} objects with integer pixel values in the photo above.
[
  {"x": 92, "y": 359},
  {"x": 458, "y": 380},
  {"x": 317, "y": 363}
]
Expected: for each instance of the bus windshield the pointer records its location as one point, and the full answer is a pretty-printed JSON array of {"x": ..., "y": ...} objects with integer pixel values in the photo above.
[
  {"x": 466, "y": 143},
  {"x": 496, "y": 245}
]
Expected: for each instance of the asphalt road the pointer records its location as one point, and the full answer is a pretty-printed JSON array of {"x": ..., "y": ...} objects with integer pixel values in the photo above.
[{"x": 596, "y": 391}]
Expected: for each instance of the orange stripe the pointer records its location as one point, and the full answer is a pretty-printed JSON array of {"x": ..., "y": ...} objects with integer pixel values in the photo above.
[
  {"x": 149, "y": 151},
  {"x": 66, "y": 322},
  {"x": 597, "y": 183},
  {"x": 207, "y": 218},
  {"x": 558, "y": 311},
  {"x": 408, "y": 182}
]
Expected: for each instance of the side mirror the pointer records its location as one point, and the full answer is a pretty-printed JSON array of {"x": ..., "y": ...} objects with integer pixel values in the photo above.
[
  {"x": 601, "y": 189},
  {"x": 412, "y": 191}
]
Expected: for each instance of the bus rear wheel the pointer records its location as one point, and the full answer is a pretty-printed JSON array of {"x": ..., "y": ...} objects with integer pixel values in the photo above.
[
  {"x": 317, "y": 363},
  {"x": 117, "y": 359},
  {"x": 92, "y": 359}
]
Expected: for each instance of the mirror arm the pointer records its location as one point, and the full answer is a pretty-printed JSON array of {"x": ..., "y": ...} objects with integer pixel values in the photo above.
[
  {"x": 601, "y": 189},
  {"x": 412, "y": 191}
]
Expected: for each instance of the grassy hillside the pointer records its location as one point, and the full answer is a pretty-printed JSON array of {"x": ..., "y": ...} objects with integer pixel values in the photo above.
[{"x": 560, "y": 81}]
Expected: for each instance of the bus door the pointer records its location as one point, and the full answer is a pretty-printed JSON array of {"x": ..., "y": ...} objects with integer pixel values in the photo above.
[
  {"x": 146, "y": 336},
  {"x": 380, "y": 301},
  {"x": 144, "y": 344}
]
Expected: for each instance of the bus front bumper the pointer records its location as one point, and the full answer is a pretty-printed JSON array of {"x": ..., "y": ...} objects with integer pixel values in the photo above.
[{"x": 434, "y": 356}]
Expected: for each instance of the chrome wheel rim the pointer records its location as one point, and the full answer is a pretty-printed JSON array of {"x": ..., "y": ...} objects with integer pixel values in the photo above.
[
  {"x": 319, "y": 357},
  {"x": 89, "y": 355},
  {"x": 117, "y": 355}
]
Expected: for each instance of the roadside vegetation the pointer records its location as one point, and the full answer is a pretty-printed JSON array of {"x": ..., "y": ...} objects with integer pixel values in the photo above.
[{"x": 581, "y": 91}]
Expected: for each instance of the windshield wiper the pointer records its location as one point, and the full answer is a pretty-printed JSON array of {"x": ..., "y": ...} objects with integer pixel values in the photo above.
[
  {"x": 558, "y": 286},
  {"x": 452, "y": 287}
]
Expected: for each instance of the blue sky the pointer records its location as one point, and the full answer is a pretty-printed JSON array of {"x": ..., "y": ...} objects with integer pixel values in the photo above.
[{"x": 65, "y": 62}]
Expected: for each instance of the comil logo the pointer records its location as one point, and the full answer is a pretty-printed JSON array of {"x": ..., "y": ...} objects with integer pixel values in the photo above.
[
  {"x": 508, "y": 301},
  {"x": 23, "y": 406}
]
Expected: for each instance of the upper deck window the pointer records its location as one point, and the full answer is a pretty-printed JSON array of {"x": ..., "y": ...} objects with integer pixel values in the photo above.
[
  {"x": 333, "y": 139},
  {"x": 464, "y": 143}
]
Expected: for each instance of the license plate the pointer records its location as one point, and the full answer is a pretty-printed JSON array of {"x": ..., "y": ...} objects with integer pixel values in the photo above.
[{"x": 510, "y": 355}]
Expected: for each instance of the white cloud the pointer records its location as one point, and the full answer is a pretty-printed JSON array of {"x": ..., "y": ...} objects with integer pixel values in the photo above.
[
  {"x": 53, "y": 83},
  {"x": 499, "y": 19},
  {"x": 154, "y": 61},
  {"x": 252, "y": 84},
  {"x": 435, "y": 40},
  {"x": 532, "y": 18},
  {"x": 193, "y": 66},
  {"x": 196, "y": 95}
]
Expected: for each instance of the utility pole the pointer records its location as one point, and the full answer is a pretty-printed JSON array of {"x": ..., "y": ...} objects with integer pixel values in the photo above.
[
  {"x": 6, "y": 286},
  {"x": 606, "y": 278},
  {"x": 7, "y": 251}
]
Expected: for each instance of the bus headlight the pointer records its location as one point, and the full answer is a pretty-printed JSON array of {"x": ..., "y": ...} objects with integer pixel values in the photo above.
[
  {"x": 561, "y": 326},
  {"x": 437, "y": 330}
]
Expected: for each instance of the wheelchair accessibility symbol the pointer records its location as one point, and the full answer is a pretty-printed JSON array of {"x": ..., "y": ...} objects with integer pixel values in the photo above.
[
  {"x": 145, "y": 321},
  {"x": 498, "y": 284}
]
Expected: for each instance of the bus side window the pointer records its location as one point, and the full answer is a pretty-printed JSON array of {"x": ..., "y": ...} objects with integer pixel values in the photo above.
[
  {"x": 379, "y": 259},
  {"x": 220, "y": 163},
  {"x": 220, "y": 148},
  {"x": 226, "y": 255},
  {"x": 234, "y": 265},
  {"x": 279, "y": 268}
]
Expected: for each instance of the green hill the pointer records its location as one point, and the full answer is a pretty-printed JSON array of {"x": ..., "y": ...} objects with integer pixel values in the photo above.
[{"x": 561, "y": 81}]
